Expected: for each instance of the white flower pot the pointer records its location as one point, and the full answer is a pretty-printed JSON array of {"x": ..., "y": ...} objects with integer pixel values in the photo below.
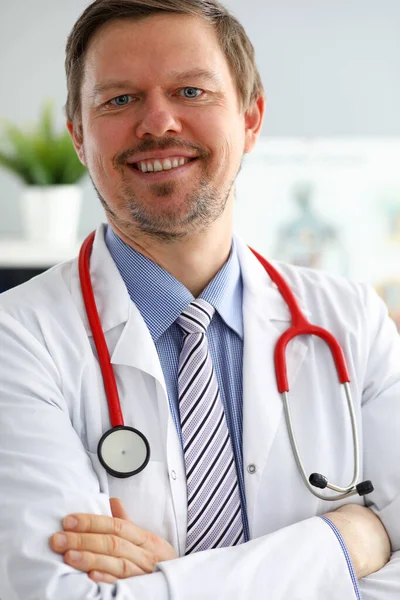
[{"x": 51, "y": 214}]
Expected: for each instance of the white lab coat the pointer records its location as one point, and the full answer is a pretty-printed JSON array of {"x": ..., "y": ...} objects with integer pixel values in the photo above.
[{"x": 53, "y": 411}]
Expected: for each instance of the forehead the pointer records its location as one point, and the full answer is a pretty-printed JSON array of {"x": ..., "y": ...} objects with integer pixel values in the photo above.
[{"x": 152, "y": 48}]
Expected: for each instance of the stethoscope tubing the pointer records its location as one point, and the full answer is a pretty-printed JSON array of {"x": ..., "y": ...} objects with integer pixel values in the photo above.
[
  {"x": 342, "y": 492},
  {"x": 114, "y": 406},
  {"x": 301, "y": 326}
]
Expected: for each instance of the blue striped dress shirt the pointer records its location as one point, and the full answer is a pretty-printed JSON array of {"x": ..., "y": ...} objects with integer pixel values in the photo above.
[{"x": 161, "y": 298}]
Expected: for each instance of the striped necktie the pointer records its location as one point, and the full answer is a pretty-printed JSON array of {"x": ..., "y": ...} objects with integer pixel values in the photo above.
[{"x": 214, "y": 505}]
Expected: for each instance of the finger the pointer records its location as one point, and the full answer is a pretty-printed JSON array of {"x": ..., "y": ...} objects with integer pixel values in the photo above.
[
  {"x": 99, "y": 576},
  {"x": 88, "y": 523},
  {"x": 121, "y": 568},
  {"x": 104, "y": 544},
  {"x": 118, "y": 510}
]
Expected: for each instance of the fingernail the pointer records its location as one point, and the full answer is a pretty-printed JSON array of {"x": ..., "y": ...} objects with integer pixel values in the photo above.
[
  {"x": 60, "y": 540},
  {"x": 97, "y": 576},
  {"x": 75, "y": 556},
  {"x": 70, "y": 523}
]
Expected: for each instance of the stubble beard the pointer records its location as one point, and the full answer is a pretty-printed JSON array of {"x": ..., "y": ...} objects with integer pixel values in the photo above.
[{"x": 200, "y": 209}]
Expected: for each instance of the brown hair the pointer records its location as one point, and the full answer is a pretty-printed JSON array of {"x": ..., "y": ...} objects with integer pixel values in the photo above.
[{"x": 234, "y": 42}]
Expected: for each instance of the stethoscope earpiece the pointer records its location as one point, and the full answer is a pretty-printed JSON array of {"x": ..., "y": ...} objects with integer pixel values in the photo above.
[
  {"x": 318, "y": 480},
  {"x": 321, "y": 482},
  {"x": 365, "y": 487}
]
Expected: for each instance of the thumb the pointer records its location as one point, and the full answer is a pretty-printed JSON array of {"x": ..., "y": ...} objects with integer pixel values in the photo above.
[{"x": 118, "y": 510}]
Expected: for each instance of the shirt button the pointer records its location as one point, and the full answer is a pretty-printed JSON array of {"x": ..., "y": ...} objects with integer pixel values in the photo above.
[
  {"x": 173, "y": 475},
  {"x": 251, "y": 469}
]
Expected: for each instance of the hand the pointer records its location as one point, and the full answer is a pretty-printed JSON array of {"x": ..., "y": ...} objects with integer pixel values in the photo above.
[
  {"x": 111, "y": 548},
  {"x": 365, "y": 536}
]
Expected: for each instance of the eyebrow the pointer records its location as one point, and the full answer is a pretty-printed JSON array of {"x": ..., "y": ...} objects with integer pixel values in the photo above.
[{"x": 177, "y": 76}]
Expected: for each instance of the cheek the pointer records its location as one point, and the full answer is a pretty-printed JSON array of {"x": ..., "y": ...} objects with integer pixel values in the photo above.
[
  {"x": 104, "y": 139},
  {"x": 102, "y": 144},
  {"x": 223, "y": 134},
  {"x": 230, "y": 152},
  {"x": 107, "y": 136}
]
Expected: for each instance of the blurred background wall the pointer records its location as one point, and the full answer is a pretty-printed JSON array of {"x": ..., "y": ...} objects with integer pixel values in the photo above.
[{"x": 330, "y": 68}]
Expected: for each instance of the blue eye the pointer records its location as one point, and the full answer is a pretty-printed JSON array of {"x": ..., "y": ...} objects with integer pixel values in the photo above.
[
  {"x": 191, "y": 92},
  {"x": 118, "y": 98}
]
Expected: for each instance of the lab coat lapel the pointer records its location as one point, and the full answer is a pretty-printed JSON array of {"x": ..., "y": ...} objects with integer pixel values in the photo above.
[
  {"x": 265, "y": 316},
  {"x": 128, "y": 338},
  {"x": 135, "y": 347}
]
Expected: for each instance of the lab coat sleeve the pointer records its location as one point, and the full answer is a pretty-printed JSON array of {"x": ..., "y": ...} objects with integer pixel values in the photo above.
[
  {"x": 381, "y": 431},
  {"x": 302, "y": 561},
  {"x": 46, "y": 474}
]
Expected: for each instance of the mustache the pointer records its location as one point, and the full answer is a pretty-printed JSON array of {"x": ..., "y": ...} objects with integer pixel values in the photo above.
[{"x": 168, "y": 143}]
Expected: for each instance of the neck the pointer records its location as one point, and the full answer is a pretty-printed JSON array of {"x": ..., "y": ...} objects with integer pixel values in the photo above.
[{"x": 193, "y": 260}]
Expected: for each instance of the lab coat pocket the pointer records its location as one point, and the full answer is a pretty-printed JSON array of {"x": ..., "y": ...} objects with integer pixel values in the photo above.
[{"x": 143, "y": 495}]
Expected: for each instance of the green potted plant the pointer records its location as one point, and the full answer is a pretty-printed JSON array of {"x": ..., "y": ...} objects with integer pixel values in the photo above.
[{"x": 46, "y": 161}]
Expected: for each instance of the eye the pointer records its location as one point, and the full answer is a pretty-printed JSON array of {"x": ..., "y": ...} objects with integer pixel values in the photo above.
[
  {"x": 190, "y": 92},
  {"x": 120, "y": 100}
]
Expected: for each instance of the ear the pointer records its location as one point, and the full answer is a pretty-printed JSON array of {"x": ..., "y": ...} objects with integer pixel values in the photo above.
[
  {"x": 253, "y": 119},
  {"x": 75, "y": 131}
]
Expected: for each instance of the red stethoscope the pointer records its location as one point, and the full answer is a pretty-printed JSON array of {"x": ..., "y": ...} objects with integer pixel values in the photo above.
[{"x": 124, "y": 451}]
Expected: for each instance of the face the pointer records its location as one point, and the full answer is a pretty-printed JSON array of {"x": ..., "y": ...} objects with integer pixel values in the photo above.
[{"x": 162, "y": 133}]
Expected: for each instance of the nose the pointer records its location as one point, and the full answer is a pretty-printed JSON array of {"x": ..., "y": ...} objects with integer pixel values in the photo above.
[{"x": 158, "y": 117}]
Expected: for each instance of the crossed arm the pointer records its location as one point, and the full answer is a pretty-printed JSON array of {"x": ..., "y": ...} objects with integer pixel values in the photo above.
[{"x": 111, "y": 548}]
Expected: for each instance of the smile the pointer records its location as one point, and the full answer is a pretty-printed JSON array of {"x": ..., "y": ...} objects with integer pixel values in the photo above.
[
  {"x": 166, "y": 164},
  {"x": 162, "y": 169}
]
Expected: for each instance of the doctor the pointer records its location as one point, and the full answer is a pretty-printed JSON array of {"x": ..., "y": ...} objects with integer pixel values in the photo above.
[{"x": 161, "y": 109}]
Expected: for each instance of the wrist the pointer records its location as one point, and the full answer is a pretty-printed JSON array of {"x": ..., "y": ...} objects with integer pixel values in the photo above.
[
  {"x": 348, "y": 530},
  {"x": 365, "y": 537}
]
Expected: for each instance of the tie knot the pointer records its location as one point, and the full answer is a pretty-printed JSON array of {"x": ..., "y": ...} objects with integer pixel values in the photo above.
[{"x": 197, "y": 317}]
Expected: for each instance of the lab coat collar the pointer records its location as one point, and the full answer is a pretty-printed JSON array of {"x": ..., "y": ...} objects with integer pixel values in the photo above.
[
  {"x": 261, "y": 290},
  {"x": 115, "y": 308},
  {"x": 112, "y": 299}
]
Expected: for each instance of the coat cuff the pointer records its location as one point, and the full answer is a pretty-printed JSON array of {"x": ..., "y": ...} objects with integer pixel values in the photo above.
[{"x": 349, "y": 562}]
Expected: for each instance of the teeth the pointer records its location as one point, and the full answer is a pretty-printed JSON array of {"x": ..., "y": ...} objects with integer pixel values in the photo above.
[
  {"x": 167, "y": 165},
  {"x": 164, "y": 165}
]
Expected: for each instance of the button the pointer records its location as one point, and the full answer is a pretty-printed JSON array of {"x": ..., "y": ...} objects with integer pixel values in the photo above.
[
  {"x": 252, "y": 469},
  {"x": 173, "y": 475}
]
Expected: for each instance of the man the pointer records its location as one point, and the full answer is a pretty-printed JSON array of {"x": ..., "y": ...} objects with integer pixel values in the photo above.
[{"x": 163, "y": 101}]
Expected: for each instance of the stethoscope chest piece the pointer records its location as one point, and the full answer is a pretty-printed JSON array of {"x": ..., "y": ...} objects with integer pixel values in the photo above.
[{"x": 123, "y": 451}]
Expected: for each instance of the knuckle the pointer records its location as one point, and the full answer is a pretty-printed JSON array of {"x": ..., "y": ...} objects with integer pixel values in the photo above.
[
  {"x": 118, "y": 526},
  {"x": 114, "y": 544},
  {"x": 150, "y": 561},
  {"x": 126, "y": 568},
  {"x": 89, "y": 522},
  {"x": 148, "y": 539},
  {"x": 152, "y": 539},
  {"x": 82, "y": 542},
  {"x": 84, "y": 522}
]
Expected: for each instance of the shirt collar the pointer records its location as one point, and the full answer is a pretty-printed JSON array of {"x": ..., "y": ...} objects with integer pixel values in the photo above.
[{"x": 161, "y": 298}]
